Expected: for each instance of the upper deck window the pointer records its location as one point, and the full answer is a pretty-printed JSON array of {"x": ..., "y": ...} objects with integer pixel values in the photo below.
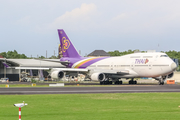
[
  {"x": 135, "y": 56},
  {"x": 164, "y": 55},
  {"x": 147, "y": 56}
]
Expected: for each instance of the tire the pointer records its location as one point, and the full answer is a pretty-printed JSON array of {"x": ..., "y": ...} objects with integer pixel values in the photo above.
[
  {"x": 130, "y": 82},
  {"x": 135, "y": 82},
  {"x": 110, "y": 82},
  {"x": 161, "y": 83},
  {"x": 120, "y": 82}
]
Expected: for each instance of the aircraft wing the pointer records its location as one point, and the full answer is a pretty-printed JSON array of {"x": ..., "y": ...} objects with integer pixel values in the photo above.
[
  {"x": 119, "y": 72},
  {"x": 54, "y": 60},
  {"x": 32, "y": 68},
  {"x": 70, "y": 69}
]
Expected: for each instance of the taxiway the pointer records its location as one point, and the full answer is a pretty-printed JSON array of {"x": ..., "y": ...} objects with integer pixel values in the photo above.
[{"x": 85, "y": 90}]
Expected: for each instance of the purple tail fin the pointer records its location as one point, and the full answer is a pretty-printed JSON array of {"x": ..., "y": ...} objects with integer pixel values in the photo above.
[{"x": 67, "y": 47}]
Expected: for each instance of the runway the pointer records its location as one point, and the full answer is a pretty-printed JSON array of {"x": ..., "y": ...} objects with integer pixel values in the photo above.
[{"x": 85, "y": 90}]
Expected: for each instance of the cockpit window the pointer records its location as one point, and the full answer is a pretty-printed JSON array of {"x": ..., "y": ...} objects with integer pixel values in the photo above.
[{"x": 164, "y": 55}]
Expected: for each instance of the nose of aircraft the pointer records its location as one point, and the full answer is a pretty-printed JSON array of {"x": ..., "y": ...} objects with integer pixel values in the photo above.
[{"x": 173, "y": 66}]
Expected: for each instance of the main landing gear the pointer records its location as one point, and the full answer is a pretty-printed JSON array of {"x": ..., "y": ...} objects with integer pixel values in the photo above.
[
  {"x": 105, "y": 82},
  {"x": 116, "y": 82},
  {"x": 132, "y": 81},
  {"x": 110, "y": 82}
]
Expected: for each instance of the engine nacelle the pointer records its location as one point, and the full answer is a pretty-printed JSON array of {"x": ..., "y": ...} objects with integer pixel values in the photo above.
[
  {"x": 170, "y": 75},
  {"x": 98, "y": 76},
  {"x": 57, "y": 74}
]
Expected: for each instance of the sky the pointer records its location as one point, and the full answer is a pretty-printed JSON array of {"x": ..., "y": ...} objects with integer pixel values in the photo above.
[{"x": 30, "y": 26}]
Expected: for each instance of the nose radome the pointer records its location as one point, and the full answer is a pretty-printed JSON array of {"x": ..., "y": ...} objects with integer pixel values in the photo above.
[{"x": 173, "y": 66}]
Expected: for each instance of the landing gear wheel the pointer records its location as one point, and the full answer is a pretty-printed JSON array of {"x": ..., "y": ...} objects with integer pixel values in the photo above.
[
  {"x": 118, "y": 82},
  {"x": 161, "y": 83},
  {"x": 132, "y": 82},
  {"x": 110, "y": 82},
  {"x": 105, "y": 82}
]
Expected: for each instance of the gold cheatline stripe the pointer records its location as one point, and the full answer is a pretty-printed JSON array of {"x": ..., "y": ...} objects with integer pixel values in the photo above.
[{"x": 81, "y": 63}]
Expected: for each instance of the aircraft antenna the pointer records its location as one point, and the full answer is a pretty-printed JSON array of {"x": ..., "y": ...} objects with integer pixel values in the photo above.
[{"x": 158, "y": 48}]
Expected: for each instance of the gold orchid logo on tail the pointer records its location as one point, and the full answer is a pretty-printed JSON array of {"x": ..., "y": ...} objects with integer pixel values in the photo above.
[{"x": 66, "y": 44}]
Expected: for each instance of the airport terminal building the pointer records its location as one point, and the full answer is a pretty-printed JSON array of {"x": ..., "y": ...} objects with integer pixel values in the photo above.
[{"x": 14, "y": 74}]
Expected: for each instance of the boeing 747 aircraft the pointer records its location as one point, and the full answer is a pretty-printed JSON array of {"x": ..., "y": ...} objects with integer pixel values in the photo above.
[{"x": 108, "y": 70}]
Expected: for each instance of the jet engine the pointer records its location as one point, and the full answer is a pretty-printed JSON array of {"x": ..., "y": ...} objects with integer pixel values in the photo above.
[
  {"x": 57, "y": 74},
  {"x": 97, "y": 76},
  {"x": 170, "y": 75}
]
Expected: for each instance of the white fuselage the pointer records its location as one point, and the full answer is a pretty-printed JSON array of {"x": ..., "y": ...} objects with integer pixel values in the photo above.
[{"x": 138, "y": 65}]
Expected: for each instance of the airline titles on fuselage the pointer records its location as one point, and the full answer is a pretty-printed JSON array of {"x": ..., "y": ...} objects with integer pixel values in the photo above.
[{"x": 141, "y": 61}]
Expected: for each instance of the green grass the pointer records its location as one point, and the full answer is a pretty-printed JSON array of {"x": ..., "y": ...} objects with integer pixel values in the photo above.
[{"x": 126, "y": 106}]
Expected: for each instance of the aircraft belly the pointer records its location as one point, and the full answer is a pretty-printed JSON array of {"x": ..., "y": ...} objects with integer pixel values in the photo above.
[{"x": 123, "y": 76}]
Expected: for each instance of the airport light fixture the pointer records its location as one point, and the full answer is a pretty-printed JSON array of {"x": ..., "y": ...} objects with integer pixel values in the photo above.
[{"x": 20, "y": 105}]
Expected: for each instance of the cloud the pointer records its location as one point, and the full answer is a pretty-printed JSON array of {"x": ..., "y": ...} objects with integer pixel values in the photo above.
[
  {"x": 146, "y": 17},
  {"x": 78, "y": 19},
  {"x": 120, "y": 17},
  {"x": 25, "y": 20}
]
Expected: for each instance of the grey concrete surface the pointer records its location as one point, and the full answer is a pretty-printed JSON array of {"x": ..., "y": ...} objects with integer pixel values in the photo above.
[{"x": 85, "y": 90}]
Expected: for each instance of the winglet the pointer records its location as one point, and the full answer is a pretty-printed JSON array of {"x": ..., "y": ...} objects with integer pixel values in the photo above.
[{"x": 5, "y": 64}]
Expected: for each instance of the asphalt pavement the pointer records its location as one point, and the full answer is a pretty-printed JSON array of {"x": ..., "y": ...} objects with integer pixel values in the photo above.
[{"x": 86, "y": 90}]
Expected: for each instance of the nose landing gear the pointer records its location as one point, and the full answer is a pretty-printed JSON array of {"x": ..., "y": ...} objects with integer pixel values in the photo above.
[{"x": 161, "y": 81}]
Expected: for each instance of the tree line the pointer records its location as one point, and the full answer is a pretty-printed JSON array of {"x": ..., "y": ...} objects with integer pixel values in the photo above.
[{"x": 15, "y": 55}]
